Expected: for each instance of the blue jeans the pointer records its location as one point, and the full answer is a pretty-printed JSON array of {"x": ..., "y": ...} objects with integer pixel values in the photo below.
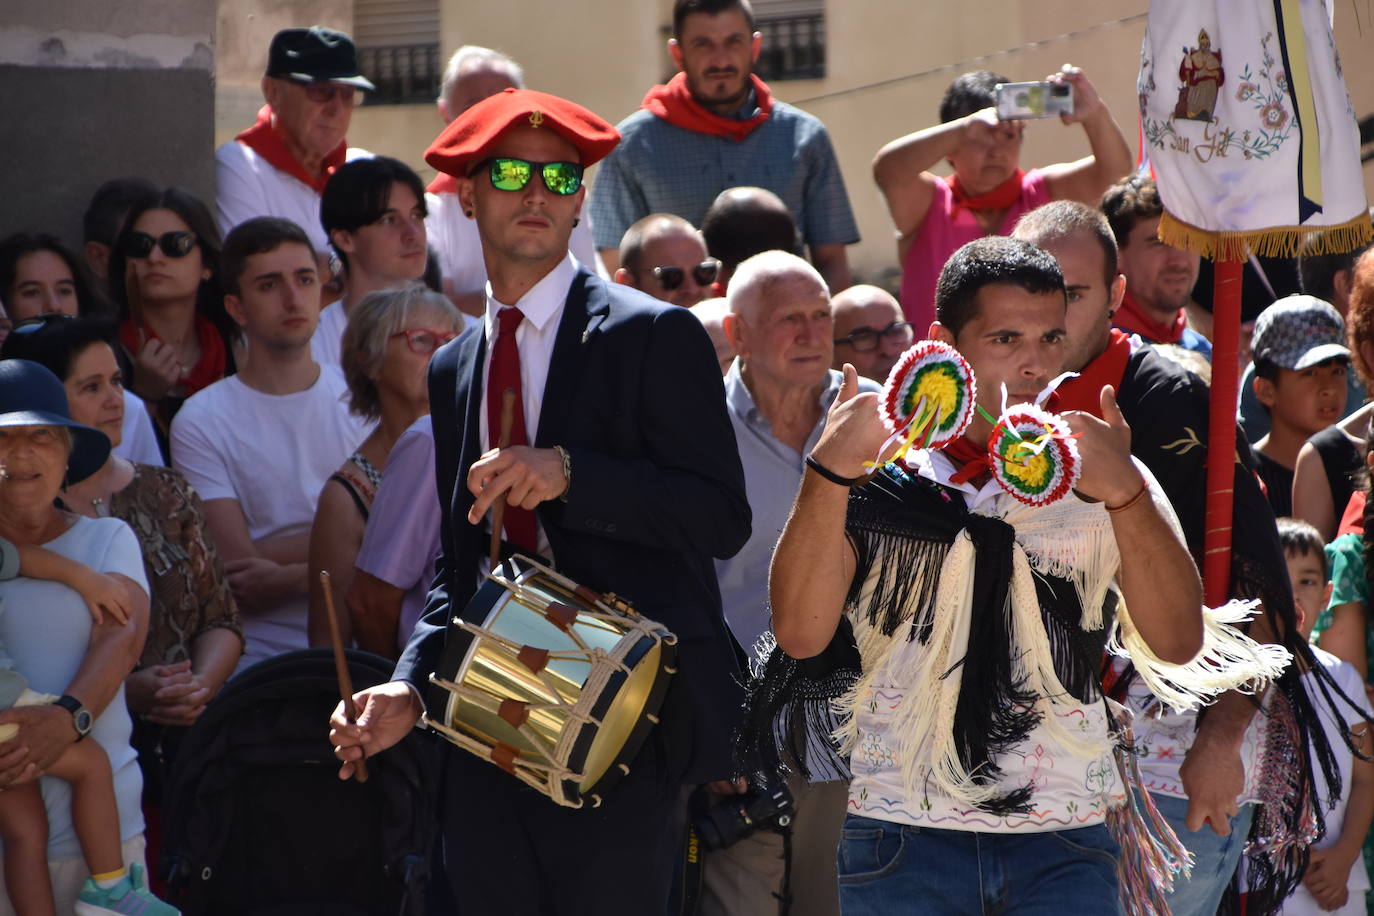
[
  {"x": 888, "y": 868},
  {"x": 1214, "y": 857}
]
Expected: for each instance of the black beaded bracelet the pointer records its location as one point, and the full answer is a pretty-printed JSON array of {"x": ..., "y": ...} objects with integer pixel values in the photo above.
[{"x": 831, "y": 476}]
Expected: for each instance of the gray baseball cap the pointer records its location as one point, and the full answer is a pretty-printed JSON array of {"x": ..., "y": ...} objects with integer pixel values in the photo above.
[{"x": 1298, "y": 332}]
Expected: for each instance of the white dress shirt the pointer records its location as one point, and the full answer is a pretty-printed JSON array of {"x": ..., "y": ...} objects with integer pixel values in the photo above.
[{"x": 542, "y": 306}]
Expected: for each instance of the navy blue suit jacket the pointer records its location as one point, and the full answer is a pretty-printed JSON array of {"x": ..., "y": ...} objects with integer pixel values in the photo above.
[{"x": 634, "y": 395}]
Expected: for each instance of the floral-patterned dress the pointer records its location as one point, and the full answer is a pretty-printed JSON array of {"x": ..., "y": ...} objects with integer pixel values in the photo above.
[{"x": 188, "y": 590}]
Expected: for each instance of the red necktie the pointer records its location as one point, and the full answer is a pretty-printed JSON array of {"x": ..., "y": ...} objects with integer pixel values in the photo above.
[{"x": 504, "y": 373}]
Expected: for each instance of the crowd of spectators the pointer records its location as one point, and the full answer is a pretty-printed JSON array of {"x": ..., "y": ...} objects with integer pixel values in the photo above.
[{"x": 255, "y": 367}]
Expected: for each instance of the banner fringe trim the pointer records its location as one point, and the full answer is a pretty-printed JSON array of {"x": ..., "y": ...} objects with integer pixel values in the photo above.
[{"x": 1274, "y": 242}]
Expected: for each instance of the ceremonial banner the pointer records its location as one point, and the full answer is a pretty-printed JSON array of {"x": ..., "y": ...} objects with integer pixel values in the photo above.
[{"x": 1248, "y": 127}]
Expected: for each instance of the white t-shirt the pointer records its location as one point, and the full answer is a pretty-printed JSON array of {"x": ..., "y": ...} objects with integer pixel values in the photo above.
[
  {"x": 454, "y": 237},
  {"x": 247, "y": 185},
  {"x": 327, "y": 344},
  {"x": 272, "y": 453},
  {"x": 1069, "y": 790},
  {"x": 1348, "y": 679},
  {"x": 46, "y": 629},
  {"x": 138, "y": 439},
  {"x": 1162, "y": 738}
]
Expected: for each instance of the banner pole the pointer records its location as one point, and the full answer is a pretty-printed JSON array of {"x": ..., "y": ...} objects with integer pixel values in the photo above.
[{"x": 1221, "y": 433}]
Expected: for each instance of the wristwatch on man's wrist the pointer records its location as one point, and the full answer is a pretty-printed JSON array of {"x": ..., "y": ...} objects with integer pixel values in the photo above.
[
  {"x": 567, "y": 471},
  {"x": 81, "y": 716}
]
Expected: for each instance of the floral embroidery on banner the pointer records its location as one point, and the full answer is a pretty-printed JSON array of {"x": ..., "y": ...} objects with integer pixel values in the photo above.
[{"x": 1201, "y": 77}]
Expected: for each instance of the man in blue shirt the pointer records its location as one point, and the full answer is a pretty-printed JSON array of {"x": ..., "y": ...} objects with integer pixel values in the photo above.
[
  {"x": 778, "y": 393},
  {"x": 715, "y": 126}
]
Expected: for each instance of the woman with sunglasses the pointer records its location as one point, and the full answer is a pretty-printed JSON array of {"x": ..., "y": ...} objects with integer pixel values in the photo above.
[
  {"x": 387, "y": 345},
  {"x": 194, "y": 634},
  {"x": 164, "y": 278}
]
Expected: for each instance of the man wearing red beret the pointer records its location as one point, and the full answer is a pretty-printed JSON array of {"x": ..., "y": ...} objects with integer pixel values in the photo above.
[{"x": 631, "y": 483}]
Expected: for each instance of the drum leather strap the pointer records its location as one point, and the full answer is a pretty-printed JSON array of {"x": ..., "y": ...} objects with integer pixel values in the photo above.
[
  {"x": 532, "y": 658},
  {"x": 504, "y": 756},
  {"x": 514, "y": 712}
]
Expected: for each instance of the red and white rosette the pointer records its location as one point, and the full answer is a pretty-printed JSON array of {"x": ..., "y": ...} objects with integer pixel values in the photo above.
[
  {"x": 1033, "y": 455},
  {"x": 929, "y": 397}
]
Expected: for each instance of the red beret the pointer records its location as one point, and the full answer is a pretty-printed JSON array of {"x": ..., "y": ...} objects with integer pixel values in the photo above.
[{"x": 470, "y": 137}]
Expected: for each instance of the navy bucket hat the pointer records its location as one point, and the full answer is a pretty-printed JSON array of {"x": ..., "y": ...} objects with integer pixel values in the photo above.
[{"x": 30, "y": 395}]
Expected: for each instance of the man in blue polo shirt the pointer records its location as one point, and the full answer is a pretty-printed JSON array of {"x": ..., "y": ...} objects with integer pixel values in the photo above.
[
  {"x": 778, "y": 393},
  {"x": 715, "y": 126}
]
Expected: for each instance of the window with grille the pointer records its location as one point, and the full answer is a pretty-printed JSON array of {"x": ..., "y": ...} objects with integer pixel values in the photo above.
[
  {"x": 398, "y": 49},
  {"x": 793, "y": 46}
]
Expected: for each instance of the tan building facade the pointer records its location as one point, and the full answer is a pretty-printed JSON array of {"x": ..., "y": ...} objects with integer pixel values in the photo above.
[{"x": 887, "y": 62}]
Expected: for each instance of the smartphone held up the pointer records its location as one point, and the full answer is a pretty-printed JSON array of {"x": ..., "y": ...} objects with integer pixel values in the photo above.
[{"x": 1022, "y": 101}]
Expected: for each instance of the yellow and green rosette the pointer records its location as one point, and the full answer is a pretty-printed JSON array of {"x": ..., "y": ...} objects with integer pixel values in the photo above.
[
  {"x": 1033, "y": 455},
  {"x": 929, "y": 397}
]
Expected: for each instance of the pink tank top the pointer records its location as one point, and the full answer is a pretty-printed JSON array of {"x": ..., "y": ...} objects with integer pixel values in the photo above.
[{"x": 944, "y": 231}]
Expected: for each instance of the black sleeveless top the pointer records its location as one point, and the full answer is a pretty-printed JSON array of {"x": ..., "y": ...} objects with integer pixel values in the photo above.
[{"x": 1342, "y": 462}]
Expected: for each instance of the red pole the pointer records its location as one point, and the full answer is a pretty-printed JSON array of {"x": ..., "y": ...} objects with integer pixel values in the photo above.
[{"x": 1221, "y": 433}]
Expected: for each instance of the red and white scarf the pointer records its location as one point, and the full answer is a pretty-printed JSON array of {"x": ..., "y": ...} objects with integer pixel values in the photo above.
[{"x": 265, "y": 139}]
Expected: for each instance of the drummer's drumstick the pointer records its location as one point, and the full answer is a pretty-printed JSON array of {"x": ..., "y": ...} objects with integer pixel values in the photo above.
[
  {"x": 341, "y": 669},
  {"x": 498, "y": 509}
]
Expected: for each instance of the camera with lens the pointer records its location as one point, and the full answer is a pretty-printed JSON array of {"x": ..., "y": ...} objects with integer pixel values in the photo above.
[{"x": 736, "y": 816}]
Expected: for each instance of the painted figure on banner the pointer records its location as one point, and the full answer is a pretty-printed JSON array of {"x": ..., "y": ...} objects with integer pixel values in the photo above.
[{"x": 1202, "y": 76}]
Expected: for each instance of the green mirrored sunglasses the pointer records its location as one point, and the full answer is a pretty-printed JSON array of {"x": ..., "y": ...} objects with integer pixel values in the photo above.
[{"x": 562, "y": 178}]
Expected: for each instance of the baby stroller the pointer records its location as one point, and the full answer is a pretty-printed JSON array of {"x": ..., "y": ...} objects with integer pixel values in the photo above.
[{"x": 257, "y": 822}]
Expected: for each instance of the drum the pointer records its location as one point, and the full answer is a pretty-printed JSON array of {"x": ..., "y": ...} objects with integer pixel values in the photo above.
[{"x": 554, "y": 683}]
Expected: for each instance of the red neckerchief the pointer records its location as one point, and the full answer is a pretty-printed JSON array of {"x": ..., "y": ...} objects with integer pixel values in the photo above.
[
  {"x": 1107, "y": 368},
  {"x": 999, "y": 198},
  {"x": 674, "y": 103},
  {"x": 263, "y": 139},
  {"x": 1353, "y": 519},
  {"x": 1133, "y": 318},
  {"x": 444, "y": 183},
  {"x": 214, "y": 360},
  {"x": 971, "y": 457},
  {"x": 974, "y": 459}
]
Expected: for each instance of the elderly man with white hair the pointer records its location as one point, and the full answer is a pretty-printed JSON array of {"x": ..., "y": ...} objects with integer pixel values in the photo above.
[
  {"x": 474, "y": 73},
  {"x": 778, "y": 392}
]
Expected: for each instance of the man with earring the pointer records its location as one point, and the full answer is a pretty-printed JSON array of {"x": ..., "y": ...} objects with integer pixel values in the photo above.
[{"x": 622, "y": 469}]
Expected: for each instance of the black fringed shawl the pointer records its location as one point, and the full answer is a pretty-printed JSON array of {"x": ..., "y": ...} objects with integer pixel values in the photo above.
[{"x": 902, "y": 527}]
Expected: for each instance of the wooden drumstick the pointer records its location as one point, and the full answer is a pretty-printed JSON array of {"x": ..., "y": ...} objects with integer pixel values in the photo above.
[
  {"x": 498, "y": 509},
  {"x": 341, "y": 670}
]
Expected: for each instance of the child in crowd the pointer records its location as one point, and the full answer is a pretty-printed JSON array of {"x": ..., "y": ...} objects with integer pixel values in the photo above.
[
  {"x": 111, "y": 889},
  {"x": 1336, "y": 879},
  {"x": 1300, "y": 367}
]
